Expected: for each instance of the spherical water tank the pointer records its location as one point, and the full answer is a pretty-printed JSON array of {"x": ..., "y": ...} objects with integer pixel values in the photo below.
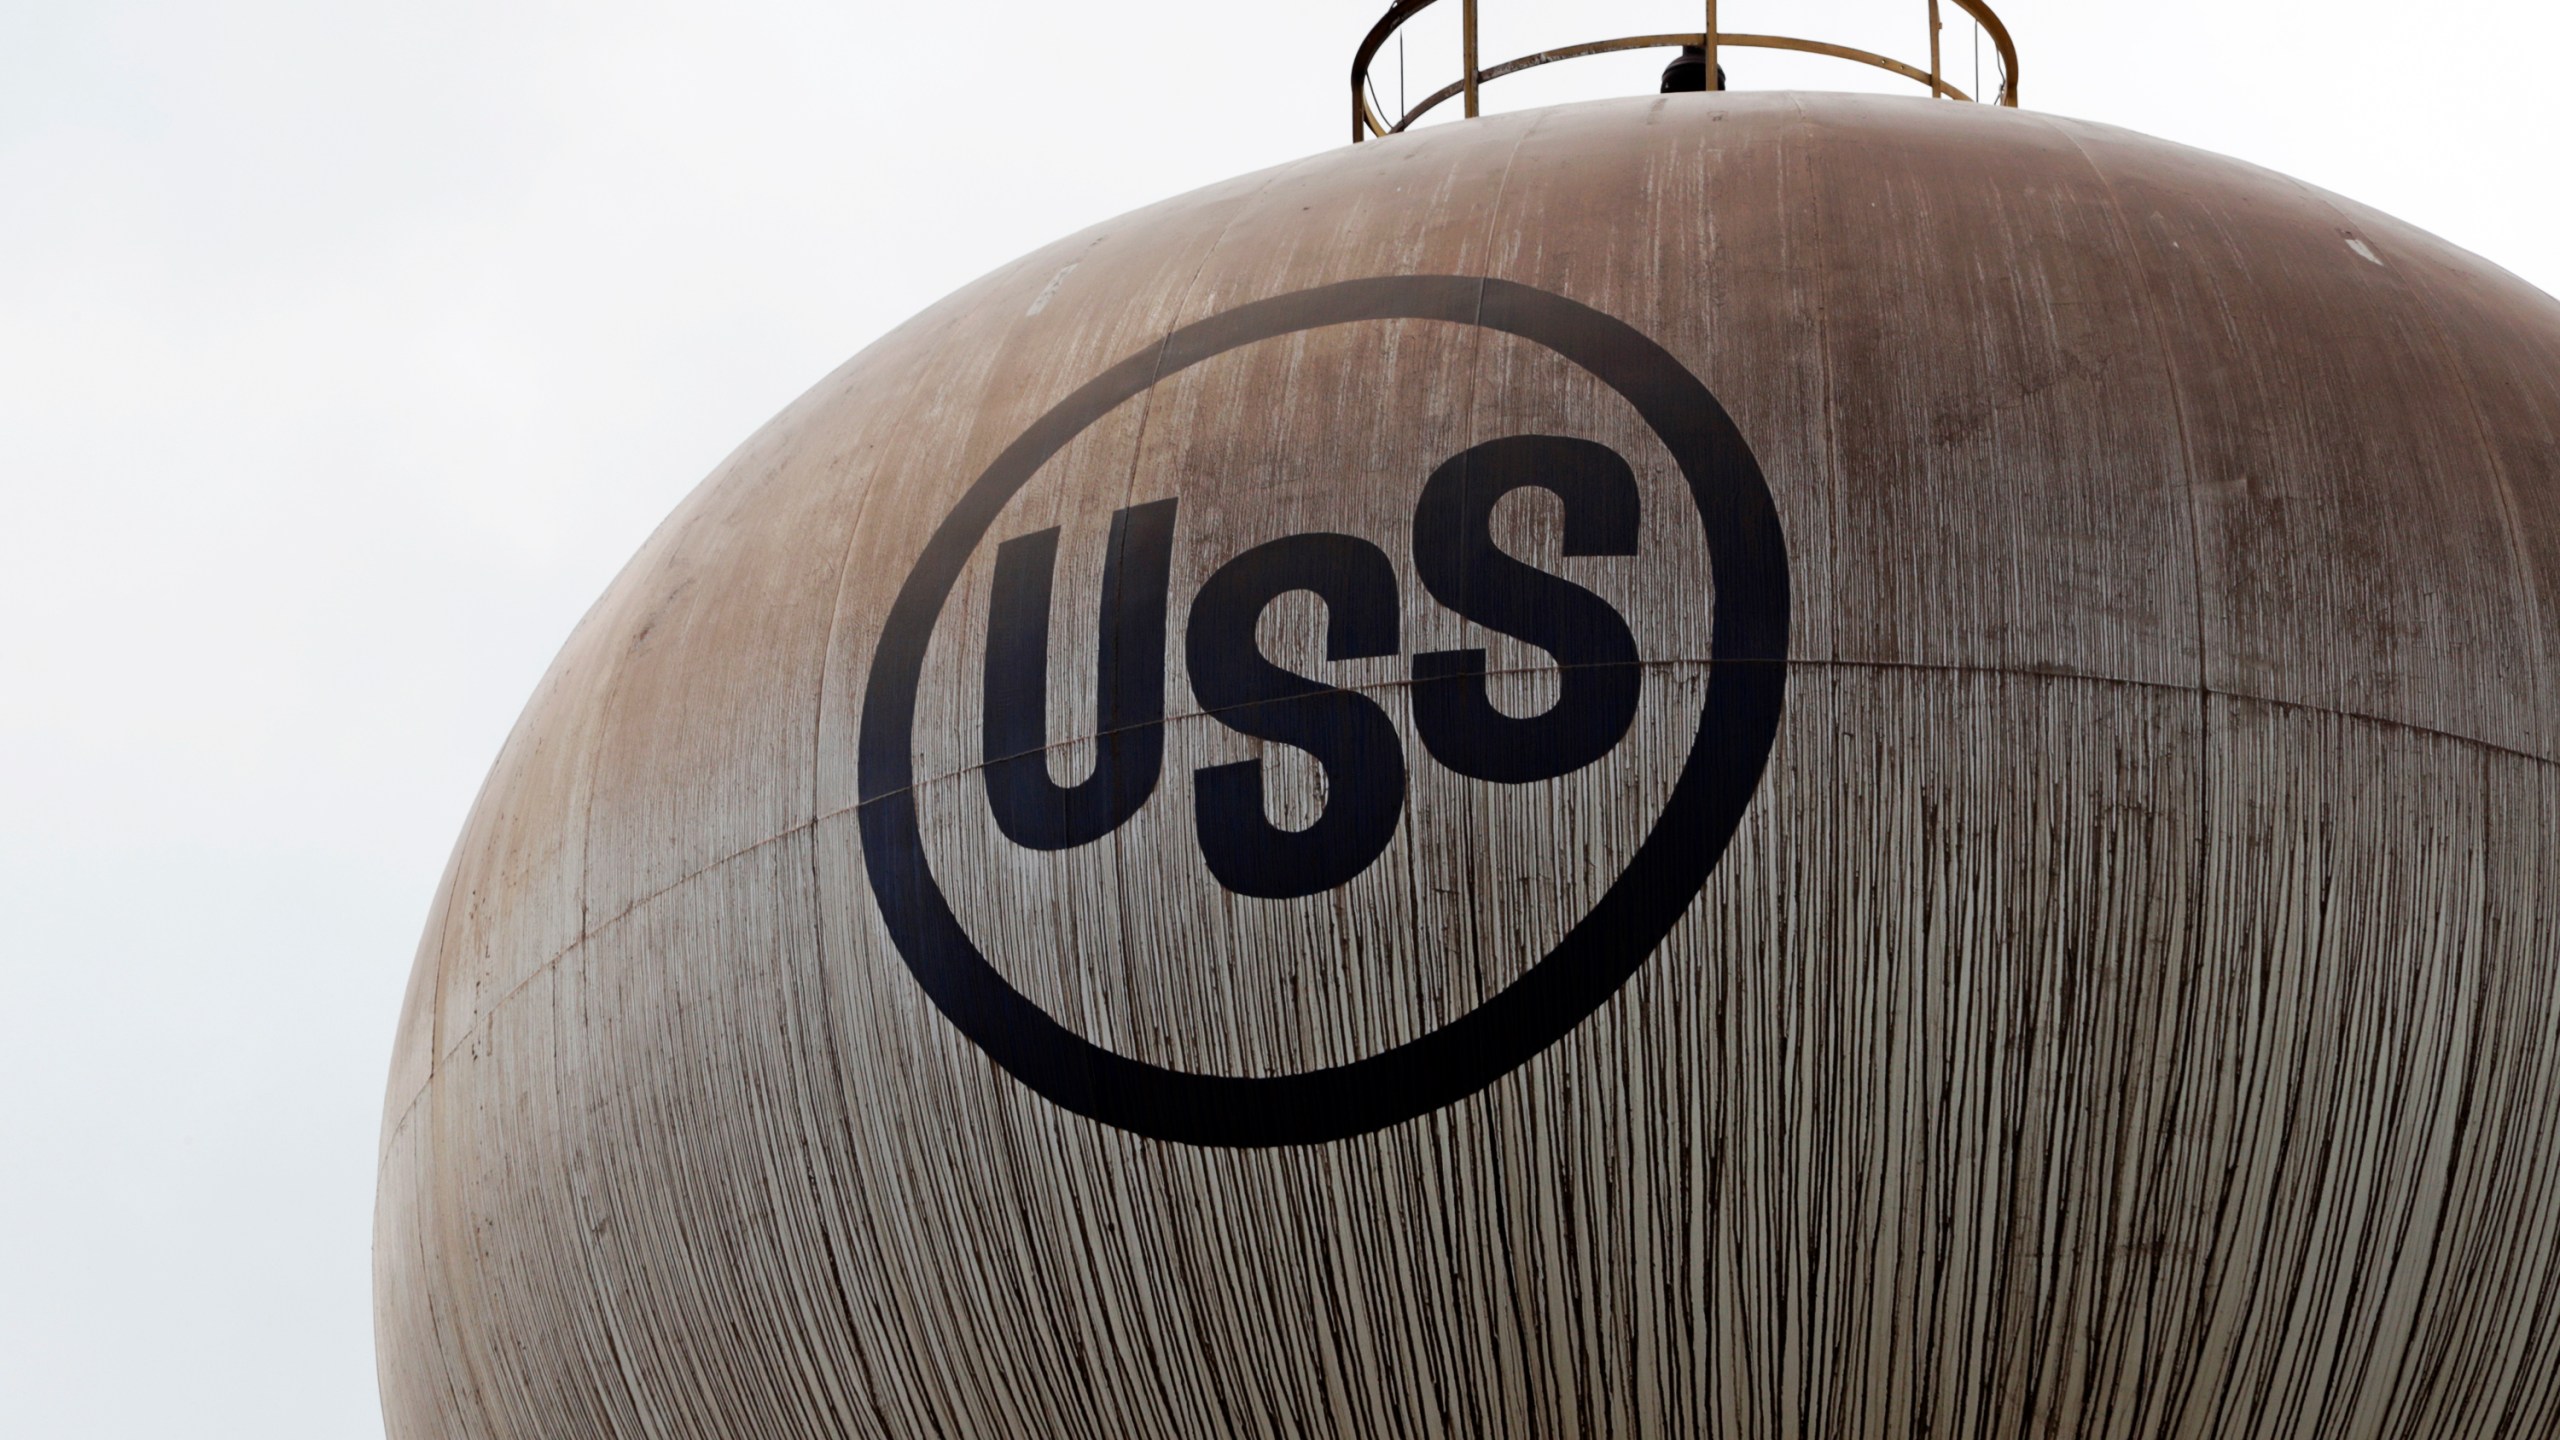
[{"x": 1719, "y": 764}]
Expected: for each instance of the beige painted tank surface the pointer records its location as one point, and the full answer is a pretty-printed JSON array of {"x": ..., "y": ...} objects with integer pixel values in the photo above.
[{"x": 1728, "y": 765}]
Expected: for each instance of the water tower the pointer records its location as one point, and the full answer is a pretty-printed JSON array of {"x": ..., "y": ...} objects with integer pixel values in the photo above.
[{"x": 1720, "y": 763}]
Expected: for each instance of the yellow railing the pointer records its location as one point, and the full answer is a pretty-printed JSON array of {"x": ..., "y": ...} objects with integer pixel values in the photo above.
[{"x": 1366, "y": 121}]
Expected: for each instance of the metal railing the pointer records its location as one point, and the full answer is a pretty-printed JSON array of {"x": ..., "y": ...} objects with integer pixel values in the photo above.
[{"x": 1367, "y": 122}]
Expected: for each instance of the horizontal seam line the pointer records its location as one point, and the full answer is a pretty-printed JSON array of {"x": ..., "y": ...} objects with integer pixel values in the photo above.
[
  {"x": 1925, "y": 667},
  {"x": 544, "y": 968},
  {"x": 1919, "y": 666}
]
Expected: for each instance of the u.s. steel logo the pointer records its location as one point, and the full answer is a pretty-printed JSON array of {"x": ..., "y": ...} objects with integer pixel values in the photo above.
[{"x": 1347, "y": 712}]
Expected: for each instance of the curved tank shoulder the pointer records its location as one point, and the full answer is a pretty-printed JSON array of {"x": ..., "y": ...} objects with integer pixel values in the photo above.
[{"x": 1525, "y": 778}]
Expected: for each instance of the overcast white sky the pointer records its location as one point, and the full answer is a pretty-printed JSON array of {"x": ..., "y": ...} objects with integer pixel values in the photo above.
[{"x": 346, "y": 350}]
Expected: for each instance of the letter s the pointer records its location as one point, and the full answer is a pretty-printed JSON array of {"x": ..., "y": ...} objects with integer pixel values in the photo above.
[
  {"x": 1454, "y": 554},
  {"x": 1347, "y": 733}
]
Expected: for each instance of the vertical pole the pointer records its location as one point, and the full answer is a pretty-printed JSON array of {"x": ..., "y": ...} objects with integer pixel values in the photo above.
[
  {"x": 1470, "y": 45},
  {"x": 1715, "y": 77},
  {"x": 1937, "y": 90}
]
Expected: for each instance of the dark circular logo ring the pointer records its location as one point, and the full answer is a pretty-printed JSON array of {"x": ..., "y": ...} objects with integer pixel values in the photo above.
[{"x": 1737, "y": 722}]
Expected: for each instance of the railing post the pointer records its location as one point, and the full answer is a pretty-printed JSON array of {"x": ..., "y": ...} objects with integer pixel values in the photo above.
[
  {"x": 1937, "y": 87},
  {"x": 1715, "y": 77},
  {"x": 1468, "y": 27}
]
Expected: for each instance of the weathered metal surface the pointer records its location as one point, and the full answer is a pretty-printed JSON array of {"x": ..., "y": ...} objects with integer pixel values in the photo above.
[{"x": 2128, "y": 1002}]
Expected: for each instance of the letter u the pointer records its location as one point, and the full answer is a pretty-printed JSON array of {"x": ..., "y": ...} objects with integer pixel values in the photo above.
[{"x": 1031, "y": 809}]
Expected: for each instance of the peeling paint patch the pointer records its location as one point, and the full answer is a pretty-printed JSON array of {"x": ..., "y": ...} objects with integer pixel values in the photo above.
[
  {"x": 1040, "y": 302},
  {"x": 2353, "y": 243}
]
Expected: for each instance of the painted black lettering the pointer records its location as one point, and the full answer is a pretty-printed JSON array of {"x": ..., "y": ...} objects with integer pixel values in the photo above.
[
  {"x": 1457, "y": 561},
  {"x": 1346, "y": 733},
  {"x": 1031, "y": 809}
]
